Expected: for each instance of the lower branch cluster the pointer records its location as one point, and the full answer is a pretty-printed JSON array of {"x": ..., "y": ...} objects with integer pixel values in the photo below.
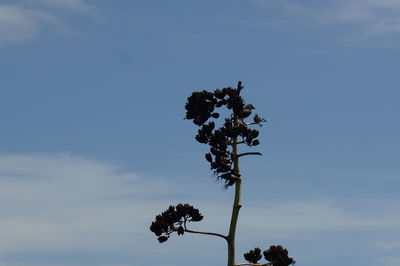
[{"x": 275, "y": 255}]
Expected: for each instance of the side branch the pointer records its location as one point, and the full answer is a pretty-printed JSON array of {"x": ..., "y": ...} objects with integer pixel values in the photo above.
[
  {"x": 239, "y": 87},
  {"x": 204, "y": 233},
  {"x": 249, "y": 153},
  {"x": 254, "y": 264}
]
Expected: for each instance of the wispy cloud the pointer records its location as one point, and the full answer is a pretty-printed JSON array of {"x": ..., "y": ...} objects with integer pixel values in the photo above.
[
  {"x": 77, "y": 5},
  {"x": 373, "y": 16},
  {"x": 18, "y": 23},
  {"x": 291, "y": 218},
  {"x": 389, "y": 245},
  {"x": 55, "y": 203},
  {"x": 61, "y": 202},
  {"x": 69, "y": 5},
  {"x": 26, "y": 20},
  {"x": 366, "y": 16},
  {"x": 389, "y": 261}
]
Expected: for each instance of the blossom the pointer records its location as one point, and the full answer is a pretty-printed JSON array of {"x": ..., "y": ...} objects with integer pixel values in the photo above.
[
  {"x": 253, "y": 256},
  {"x": 278, "y": 256},
  {"x": 174, "y": 219},
  {"x": 200, "y": 108}
]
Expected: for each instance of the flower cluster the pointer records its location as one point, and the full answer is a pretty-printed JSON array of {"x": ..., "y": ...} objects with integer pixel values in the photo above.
[
  {"x": 253, "y": 256},
  {"x": 174, "y": 219},
  {"x": 276, "y": 255},
  {"x": 201, "y": 106}
]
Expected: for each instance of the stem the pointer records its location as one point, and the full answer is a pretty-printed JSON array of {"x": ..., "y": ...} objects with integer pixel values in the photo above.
[
  {"x": 232, "y": 227},
  {"x": 206, "y": 233},
  {"x": 236, "y": 203},
  {"x": 175, "y": 229},
  {"x": 254, "y": 264},
  {"x": 249, "y": 153}
]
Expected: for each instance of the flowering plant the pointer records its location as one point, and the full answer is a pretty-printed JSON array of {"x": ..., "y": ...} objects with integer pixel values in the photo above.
[{"x": 202, "y": 109}]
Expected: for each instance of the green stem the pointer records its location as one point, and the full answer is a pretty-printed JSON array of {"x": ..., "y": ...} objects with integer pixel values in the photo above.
[{"x": 236, "y": 205}]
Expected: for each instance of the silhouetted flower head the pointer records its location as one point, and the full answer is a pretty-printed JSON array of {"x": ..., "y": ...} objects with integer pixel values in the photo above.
[
  {"x": 253, "y": 256},
  {"x": 278, "y": 256},
  {"x": 174, "y": 219},
  {"x": 201, "y": 106}
]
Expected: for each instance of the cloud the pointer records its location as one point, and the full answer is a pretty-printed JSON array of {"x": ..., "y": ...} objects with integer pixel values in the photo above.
[
  {"x": 77, "y": 5},
  {"x": 26, "y": 20},
  {"x": 20, "y": 24},
  {"x": 58, "y": 202},
  {"x": 389, "y": 245},
  {"x": 291, "y": 218},
  {"x": 365, "y": 16},
  {"x": 373, "y": 16},
  {"x": 389, "y": 261},
  {"x": 54, "y": 204},
  {"x": 69, "y": 5}
]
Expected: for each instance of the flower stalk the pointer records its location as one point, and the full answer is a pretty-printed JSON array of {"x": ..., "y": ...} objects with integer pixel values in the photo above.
[
  {"x": 236, "y": 202},
  {"x": 203, "y": 233},
  {"x": 223, "y": 158},
  {"x": 254, "y": 264}
]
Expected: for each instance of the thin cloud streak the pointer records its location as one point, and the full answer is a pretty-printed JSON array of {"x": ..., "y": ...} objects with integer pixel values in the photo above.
[
  {"x": 26, "y": 20},
  {"x": 374, "y": 16},
  {"x": 389, "y": 261},
  {"x": 77, "y": 5},
  {"x": 21, "y": 24},
  {"x": 70, "y": 5},
  {"x": 66, "y": 202},
  {"x": 303, "y": 217},
  {"x": 365, "y": 16}
]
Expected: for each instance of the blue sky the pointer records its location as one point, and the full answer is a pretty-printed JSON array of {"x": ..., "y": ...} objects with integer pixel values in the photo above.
[{"x": 94, "y": 145}]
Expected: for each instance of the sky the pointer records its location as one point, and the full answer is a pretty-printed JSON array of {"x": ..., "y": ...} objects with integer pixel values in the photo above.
[{"x": 93, "y": 143}]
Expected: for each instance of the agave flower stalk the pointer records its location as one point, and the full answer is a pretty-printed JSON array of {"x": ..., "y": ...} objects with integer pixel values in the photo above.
[
  {"x": 236, "y": 202},
  {"x": 223, "y": 158}
]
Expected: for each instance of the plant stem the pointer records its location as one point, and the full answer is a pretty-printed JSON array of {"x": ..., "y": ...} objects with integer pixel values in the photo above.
[
  {"x": 249, "y": 153},
  {"x": 236, "y": 204},
  {"x": 254, "y": 264},
  {"x": 205, "y": 233}
]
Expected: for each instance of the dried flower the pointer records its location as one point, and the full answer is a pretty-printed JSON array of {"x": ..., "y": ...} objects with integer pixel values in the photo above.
[
  {"x": 253, "y": 256},
  {"x": 200, "y": 108},
  {"x": 278, "y": 256},
  {"x": 174, "y": 219}
]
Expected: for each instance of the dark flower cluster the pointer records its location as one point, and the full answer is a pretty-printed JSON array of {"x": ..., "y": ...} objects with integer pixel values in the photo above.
[
  {"x": 201, "y": 106},
  {"x": 276, "y": 255},
  {"x": 174, "y": 219},
  {"x": 253, "y": 256}
]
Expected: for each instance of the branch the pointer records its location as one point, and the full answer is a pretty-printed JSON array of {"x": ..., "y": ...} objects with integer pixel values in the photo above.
[
  {"x": 254, "y": 264},
  {"x": 252, "y": 123},
  {"x": 207, "y": 233},
  {"x": 249, "y": 153},
  {"x": 203, "y": 233},
  {"x": 239, "y": 87}
]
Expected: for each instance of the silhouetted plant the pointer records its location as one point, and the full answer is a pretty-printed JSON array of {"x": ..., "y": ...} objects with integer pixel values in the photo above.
[{"x": 223, "y": 158}]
